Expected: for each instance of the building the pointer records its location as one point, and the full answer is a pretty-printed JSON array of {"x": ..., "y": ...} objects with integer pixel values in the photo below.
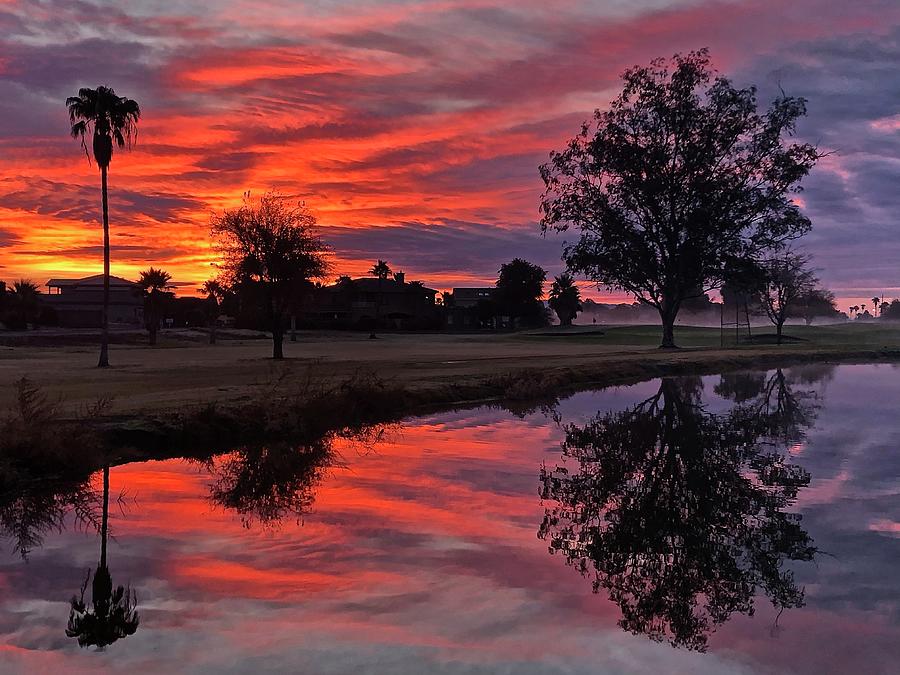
[
  {"x": 358, "y": 302},
  {"x": 78, "y": 303},
  {"x": 470, "y": 308},
  {"x": 465, "y": 298}
]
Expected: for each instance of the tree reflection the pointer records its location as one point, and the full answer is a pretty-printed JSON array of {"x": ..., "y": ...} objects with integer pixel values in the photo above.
[
  {"x": 29, "y": 509},
  {"x": 677, "y": 513},
  {"x": 266, "y": 484},
  {"x": 112, "y": 614}
]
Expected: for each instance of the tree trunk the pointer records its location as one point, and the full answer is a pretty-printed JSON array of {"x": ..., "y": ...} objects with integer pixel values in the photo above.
[
  {"x": 667, "y": 316},
  {"x": 778, "y": 328},
  {"x": 153, "y": 328},
  {"x": 104, "y": 523},
  {"x": 277, "y": 342},
  {"x": 293, "y": 327},
  {"x": 212, "y": 332},
  {"x": 104, "y": 313}
]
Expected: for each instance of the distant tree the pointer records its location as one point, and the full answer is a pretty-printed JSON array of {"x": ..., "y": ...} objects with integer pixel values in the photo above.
[
  {"x": 853, "y": 309},
  {"x": 215, "y": 295},
  {"x": 109, "y": 120},
  {"x": 155, "y": 285},
  {"x": 25, "y": 299},
  {"x": 818, "y": 302},
  {"x": 892, "y": 312},
  {"x": 565, "y": 299},
  {"x": 381, "y": 270},
  {"x": 270, "y": 247},
  {"x": 677, "y": 179},
  {"x": 520, "y": 286},
  {"x": 876, "y": 303},
  {"x": 787, "y": 281}
]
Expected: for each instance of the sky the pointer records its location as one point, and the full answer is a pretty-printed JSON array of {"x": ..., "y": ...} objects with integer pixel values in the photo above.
[{"x": 413, "y": 130}]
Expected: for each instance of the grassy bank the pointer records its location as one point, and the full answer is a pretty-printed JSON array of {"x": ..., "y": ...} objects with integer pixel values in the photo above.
[{"x": 187, "y": 399}]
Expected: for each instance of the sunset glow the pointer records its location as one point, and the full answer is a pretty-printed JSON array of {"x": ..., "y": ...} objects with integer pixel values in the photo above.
[{"x": 413, "y": 130}]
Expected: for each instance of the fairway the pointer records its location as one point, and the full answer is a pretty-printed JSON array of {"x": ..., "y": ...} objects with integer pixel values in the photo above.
[{"x": 183, "y": 370}]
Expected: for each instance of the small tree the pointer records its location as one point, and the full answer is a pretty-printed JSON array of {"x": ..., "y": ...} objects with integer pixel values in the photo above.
[
  {"x": 786, "y": 281},
  {"x": 215, "y": 294},
  {"x": 819, "y": 302},
  {"x": 891, "y": 311},
  {"x": 520, "y": 286},
  {"x": 272, "y": 246},
  {"x": 876, "y": 303},
  {"x": 680, "y": 177},
  {"x": 565, "y": 299},
  {"x": 155, "y": 285}
]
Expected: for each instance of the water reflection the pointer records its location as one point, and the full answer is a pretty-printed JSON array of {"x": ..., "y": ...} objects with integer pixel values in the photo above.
[
  {"x": 112, "y": 614},
  {"x": 269, "y": 483},
  {"x": 677, "y": 513}
]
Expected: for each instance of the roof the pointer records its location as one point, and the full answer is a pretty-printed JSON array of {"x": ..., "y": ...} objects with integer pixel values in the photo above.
[
  {"x": 94, "y": 280},
  {"x": 375, "y": 285},
  {"x": 473, "y": 290}
]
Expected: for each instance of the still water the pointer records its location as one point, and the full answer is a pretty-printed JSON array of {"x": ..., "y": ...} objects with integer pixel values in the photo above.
[{"x": 743, "y": 523}]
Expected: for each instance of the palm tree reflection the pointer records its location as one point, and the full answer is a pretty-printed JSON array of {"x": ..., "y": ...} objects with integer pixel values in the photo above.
[
  {"x": 112, "y": 614},
  {"x": 678, "y": 513}
]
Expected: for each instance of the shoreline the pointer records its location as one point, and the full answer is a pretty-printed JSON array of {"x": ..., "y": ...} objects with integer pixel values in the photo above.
[
  {"x": 191, "y": 399},
  {"x": 162, "y": 435}
]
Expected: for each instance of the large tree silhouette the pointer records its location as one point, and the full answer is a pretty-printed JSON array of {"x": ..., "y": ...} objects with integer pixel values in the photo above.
[
  {"x": 677, "y": 180},
  {"x": 111, "y": 615},
  {"x": 678, "y": 514},
  {"x": 110, "y": 121}
]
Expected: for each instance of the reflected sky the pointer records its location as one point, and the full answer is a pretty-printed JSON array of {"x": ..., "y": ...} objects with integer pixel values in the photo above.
[{"x": 419, "y": 552}]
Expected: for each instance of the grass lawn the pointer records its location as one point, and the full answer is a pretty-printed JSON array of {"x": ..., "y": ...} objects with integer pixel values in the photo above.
[{"x": 440, "y": 368}]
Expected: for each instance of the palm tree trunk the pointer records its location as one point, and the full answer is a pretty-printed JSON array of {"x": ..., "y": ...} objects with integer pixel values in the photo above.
[
  {"x": 104, "y": 523},
  {"x": 104, "y": 313}
]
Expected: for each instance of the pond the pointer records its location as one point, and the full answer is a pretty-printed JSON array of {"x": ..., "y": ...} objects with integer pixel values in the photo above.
[{"x": 742, "y": 523}]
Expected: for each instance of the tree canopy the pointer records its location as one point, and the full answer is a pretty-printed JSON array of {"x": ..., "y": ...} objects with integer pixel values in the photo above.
[
  {"x": 270, "y": 249},
  {"x": 519, "y": 288},
  {"x": 565, "y": 299},
  {"x": 677, "y": 179},
  {"x": 786, "y": 281}
]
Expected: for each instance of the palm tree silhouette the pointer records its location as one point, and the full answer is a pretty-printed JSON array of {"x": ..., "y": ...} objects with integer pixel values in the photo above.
[
  {"x": 875, "y": 302},
  {"x": 215, "y": 293},
  {"x": 381, "y": 270},
  {"x": 565, "y": 299},
  {"x": 112, "y": 613},
  {"x": 109, "y": 120},
  {"x": 155, "y": 284},
  {"x": 26, "y": 297}
]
